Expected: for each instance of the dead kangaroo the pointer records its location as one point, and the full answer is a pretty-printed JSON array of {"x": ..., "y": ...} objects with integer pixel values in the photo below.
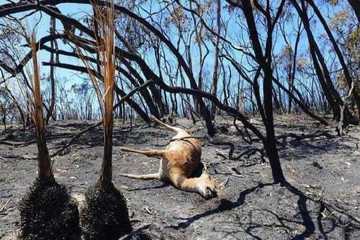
[{"x": 179, "y": 160}]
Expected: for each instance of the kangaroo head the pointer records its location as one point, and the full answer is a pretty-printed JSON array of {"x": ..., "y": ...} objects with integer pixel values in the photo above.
[{"x": 207, "y": 186}]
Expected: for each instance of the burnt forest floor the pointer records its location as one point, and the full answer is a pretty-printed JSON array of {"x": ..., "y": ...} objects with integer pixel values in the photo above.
[{"x": 322, "y": 200}]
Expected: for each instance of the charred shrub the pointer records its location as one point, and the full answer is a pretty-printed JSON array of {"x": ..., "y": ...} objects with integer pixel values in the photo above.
[
  {"x": 105, "y": 214},
  {"x": 48, "y": 212}
]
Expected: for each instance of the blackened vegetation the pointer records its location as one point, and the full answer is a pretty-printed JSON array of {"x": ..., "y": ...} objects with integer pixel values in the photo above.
[
  {"x": 251, "y": 207},
  {"x": 259, "y": 69},
  {"x": 48, "y": 212},
  {"x": 105, "y": 214}
]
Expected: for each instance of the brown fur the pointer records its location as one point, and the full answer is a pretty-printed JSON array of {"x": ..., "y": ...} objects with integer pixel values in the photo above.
[{"x": 179, "y": 160}]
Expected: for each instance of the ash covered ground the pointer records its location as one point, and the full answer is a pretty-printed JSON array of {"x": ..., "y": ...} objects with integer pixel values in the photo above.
[{"x": 320, "y": 202}]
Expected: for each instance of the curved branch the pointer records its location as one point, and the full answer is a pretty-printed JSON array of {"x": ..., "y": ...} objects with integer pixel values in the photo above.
[
  {"x": 152, "y": 76},
  {"x": 42, "y": 5},
  {"x": 128, "y": 100}
]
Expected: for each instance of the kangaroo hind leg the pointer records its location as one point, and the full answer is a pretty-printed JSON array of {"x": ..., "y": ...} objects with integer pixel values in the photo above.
[
  {"x": 150, "y": 176},
  {"x": 179, "y": 131},
  {"x": 148, "y": 153}
]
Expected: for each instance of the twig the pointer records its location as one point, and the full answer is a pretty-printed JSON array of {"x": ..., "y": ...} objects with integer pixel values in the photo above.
[
  {"x": 132, "y": 92},
  {"x": 231, "y": 156},
  {"x": 129, "y": 236},
  {"x": 74, "y": 138},
  {"x": 3, "y": 208}
]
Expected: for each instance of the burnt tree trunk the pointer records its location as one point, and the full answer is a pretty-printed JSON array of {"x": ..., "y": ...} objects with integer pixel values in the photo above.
[
  {"x": 136, "y": 80},
  {"x": 355, "y": 4},
  {"x": 265, "y": 63},
  {"x": 338, "y": 52},
  {"x": 106, "y": 167},
  {"x": 215, "y": 78},
  {"x": 50, "y": 113},
  {"x": 44, "y": 163},
  {"x": 322, "y": 72}
]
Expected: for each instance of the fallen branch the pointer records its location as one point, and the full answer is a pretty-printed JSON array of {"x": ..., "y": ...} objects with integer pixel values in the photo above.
[
  {"x": 133, "y": 234},
  {"x": 132, "y": 92},
  {"x": 17, "y": 144},
  {"x": 74, "y": 138},
  {"x": 231, "y": 156},
  {"x": 3, "y": 207}
]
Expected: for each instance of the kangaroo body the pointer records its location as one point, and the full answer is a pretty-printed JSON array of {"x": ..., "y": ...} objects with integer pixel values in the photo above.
[{"x": 179, "y": 161}]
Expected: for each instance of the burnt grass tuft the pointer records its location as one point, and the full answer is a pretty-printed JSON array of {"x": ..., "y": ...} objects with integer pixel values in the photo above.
[
  {"x": 48, "y": 212},
  {"x": 105, "y": 214}
]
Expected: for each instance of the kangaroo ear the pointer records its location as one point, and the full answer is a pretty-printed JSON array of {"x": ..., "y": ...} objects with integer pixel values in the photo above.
[{"x": 222, "y": 185}]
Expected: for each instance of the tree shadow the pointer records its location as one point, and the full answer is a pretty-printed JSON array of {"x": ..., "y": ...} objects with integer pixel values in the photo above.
[
  {"x": 304, "y": 224},
  {"x": 316, "y": 143},
  {"x": 223, "y": 206},
  {"x": 295, "y": 145},
  {"x": 307, "y": 221}
]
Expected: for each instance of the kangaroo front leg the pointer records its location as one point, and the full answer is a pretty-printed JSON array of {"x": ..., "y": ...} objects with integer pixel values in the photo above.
[{"x": 191, "y": 184}]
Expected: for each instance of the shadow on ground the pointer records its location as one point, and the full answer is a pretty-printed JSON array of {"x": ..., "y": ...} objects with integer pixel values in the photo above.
[{"x": 320, "y": 201}]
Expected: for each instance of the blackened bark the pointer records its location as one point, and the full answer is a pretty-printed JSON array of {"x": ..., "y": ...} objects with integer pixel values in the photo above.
[
  {"x": 7, "y": 9},
  {"x": 265, "y": 62},
  {"x": 355, "y": 4},
  {"x": 44, "y": 162},
  {"x": 156, "y": 99},
  {"x": 338, "y": 52},
  {"x": 322, "y": 72},
  {"x": 106, "y": 167},
  {"x": 144, "y": 92}
]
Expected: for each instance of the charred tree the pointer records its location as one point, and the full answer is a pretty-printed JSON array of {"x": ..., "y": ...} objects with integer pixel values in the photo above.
[
  {"x": 46, "y": 198},
  {"x": 51, "y": 113},
  {"x": 215, "y": 77},
  {"x": 265, "y": 63},
  {"x": 322, "y": 71},
  {"x": 105, "y": 214},
  {"x": 338, "y": 52}
]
